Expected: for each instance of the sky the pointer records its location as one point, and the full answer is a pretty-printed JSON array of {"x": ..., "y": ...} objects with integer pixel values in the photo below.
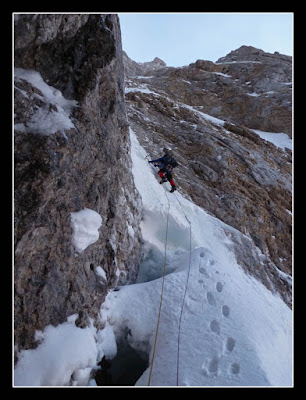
[{"x": 182, "y": 38}]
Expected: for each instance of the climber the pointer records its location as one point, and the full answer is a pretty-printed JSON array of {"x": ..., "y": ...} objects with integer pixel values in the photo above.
[{"x": 166, "y": 165}]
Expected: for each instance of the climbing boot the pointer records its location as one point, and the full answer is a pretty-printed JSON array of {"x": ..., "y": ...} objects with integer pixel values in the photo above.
[
  {"x": 164, "y": 179},
  {"x": 173, "y": 189}
]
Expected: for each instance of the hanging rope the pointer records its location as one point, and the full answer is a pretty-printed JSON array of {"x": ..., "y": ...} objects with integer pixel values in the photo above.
[
  {"x": 161, "y": 294},
  {"x": 162, "y": 291},
  {"x": 186, "y": 286}
]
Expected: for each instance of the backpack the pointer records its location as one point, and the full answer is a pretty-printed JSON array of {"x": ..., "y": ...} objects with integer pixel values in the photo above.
[
  {"x": 173, "y": 162},
  {"x": 170, "y": 160}
]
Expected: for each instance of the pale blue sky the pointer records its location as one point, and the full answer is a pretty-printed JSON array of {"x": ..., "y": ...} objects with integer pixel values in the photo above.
[{"x": 182, "y": 38}]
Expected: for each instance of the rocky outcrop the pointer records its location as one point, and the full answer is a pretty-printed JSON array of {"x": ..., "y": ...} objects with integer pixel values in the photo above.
[
  {"x": 72, "y": 152},
  {"x": 247, "y": 87},
  {"x": 269, "y": 81},
  {"x": 224, "y": 167}
]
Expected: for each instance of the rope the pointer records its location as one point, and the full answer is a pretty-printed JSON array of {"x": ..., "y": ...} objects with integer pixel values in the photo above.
[
  {"x": 162, "y": 291},
  {"x": 182, "y": 209},
  {"x": 161, "y": 295},
  {"x": 186, "y": 286}
]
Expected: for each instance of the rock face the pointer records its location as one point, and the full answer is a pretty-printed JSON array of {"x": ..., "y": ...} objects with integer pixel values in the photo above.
[
  {"x": 268, "y": 78},
  {"x": 225, "y": 167},
  {"x": 247, "y": 87},
  {"x": 72, "y": 152}
]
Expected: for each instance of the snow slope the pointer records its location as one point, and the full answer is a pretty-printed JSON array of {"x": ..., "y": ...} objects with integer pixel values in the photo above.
[{"x": 233, "y": 331}]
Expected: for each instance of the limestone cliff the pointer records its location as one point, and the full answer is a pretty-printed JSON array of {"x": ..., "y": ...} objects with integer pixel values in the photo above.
[{"x": 72, "y": 152}]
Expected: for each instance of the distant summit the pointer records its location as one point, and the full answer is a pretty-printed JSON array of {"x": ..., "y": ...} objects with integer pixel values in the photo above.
[
  {"x": 155, "y": 64},
  {"x": 250, "y": 53},
  {"x": 133, "y": 68}
]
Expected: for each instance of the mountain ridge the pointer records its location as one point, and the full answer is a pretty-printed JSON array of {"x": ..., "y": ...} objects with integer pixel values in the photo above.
[{"x": 247, "y": 87}]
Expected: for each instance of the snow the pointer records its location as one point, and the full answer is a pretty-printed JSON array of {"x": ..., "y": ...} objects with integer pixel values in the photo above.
[
  {"x": 131, "y": 231},
  {"x": 107, "y": 341},
  {"x": 66, "y": 355},
  {"x": 221, "y": 74},
  {"x": 143, "y": 88},
  {"x": 233, "y": 331},
  {"x": 253, "y": 94},
  {"x": 281, "y": 140},
  {"x": 44, "y": 121},
  {"x": 208, "y": 117},
  {"x": 239, "y": 62},
  {"x": 144, "y": 77},
  {"x": 65, "y": 351},
  {"x": 100, "y": 272},
  {"x": 85, "y": 226}
]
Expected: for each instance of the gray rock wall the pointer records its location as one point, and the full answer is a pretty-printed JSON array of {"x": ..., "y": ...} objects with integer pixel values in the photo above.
[{"x": 60, "y": 171}]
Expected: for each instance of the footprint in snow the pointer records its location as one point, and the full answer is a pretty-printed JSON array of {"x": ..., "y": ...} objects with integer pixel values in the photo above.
[
  {"x": 225, "y": 310},
  {"x": 215, "y": 327},
  {"x": 219, "y": 287},
  {"x": 211, "y": 299},
  {"x": 230, "y": 344},
  {"x": 211, "y": 262},
  {"x": 203, "y": 272},
  {"x": 211, "y": 367},
  {"x": 234, "y": 368}
]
